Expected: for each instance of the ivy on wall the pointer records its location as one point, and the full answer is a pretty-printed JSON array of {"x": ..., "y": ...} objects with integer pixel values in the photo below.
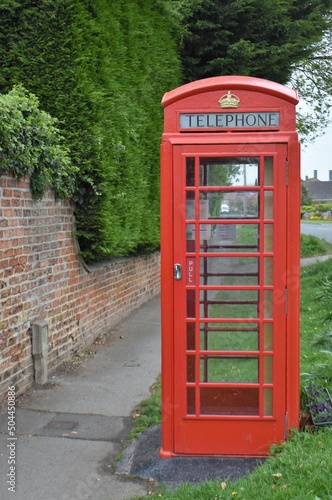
[{"x": 101, "y": 68}]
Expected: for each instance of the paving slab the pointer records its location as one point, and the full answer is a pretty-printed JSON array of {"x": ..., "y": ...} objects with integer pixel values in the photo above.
[{"x": 70, "y": 431}]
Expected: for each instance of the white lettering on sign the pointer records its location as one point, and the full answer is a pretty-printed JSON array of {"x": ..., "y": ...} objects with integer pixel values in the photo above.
[
  {"x": 230, "y": 120},
  {"x": 191, "y": 271}
]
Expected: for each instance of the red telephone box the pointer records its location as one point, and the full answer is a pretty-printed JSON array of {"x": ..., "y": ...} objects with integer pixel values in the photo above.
[{"x": 230, "y": 198}]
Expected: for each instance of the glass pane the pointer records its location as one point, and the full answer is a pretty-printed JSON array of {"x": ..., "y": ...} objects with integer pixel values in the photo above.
[
  {"x": 268, "y": 304},
  {"x": 190, "y": 172},
  {"x": 229, "y": 337},
  {"x": 229, "y": 401},
  {"x": 229, "y": 171},
  {"x": 190, "y": 205},
  {"x": 204, "y": 205},
  {"x": 268, "y": 204},
  {"x": 232, "y": 369},
  {"x": 268, "y": 336},
  {"x": 205, "y": 231},
  {"x": 230, "y": 237},
  {"x": 268, "y": 271},
  {"x": 191, "y": 336},
  {"x": 230, "y": 271},
  {"x": 268, "y": 369},
  {"x": 230, "y": 205},
  {"x": 268, "y": 402},
  {"x": 190, "y": 368},
  {"x": 268, "y": 237},
  {"x": 268, "y": 171},
  {"x": 205, "y": 234},
  {"x": 191, "y": 303},
  {"x": 229, "y": 303},
  {"x": 191, "y": 401},
  {"x": 190, "y": 237}
]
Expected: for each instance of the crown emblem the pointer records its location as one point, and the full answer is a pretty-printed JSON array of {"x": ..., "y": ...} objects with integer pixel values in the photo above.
[{"x": 229, "y": 101}]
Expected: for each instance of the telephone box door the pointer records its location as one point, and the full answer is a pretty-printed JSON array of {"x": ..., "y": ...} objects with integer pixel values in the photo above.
[{"x": 229, "y": 298}]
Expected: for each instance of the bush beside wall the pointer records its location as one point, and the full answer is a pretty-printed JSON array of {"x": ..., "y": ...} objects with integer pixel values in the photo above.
[{"x": 42, "y": 277}]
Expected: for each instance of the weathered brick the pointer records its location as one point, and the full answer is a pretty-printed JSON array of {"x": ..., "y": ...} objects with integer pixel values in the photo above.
[{"x": 42, "y": 277}]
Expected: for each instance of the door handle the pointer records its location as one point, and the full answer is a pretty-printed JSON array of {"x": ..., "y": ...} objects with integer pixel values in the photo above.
[{"x": 177, "y": 271}]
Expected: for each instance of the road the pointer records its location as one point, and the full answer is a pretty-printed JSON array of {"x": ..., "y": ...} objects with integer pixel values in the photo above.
[{"x": 323, "y": 231}]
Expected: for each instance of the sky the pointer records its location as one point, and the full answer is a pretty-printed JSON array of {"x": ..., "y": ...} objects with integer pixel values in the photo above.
[{"x": 318, "y": 156}]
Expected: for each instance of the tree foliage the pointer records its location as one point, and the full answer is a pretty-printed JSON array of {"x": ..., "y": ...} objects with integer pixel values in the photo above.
[
  {"x": 101, "y": 68},
  {"x": 312, "y": 77},
  {"x": 306, "y": 199},
  {"x": 287, "y": 41},
  {"x": 261, "y": 38}
]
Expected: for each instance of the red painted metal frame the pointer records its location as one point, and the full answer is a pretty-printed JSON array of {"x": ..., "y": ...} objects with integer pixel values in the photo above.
[{"x": 202, "y": 96}]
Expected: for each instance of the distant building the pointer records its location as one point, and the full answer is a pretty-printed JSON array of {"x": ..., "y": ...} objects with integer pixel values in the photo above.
[{"x": 320, "y": 191}]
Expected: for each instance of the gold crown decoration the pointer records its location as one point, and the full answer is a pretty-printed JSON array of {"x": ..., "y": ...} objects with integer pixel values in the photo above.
[{"x": 229, "y": 100}]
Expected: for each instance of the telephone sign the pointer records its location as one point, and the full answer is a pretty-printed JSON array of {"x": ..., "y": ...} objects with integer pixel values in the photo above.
[
  {"x": 228, "y": 120},
  {"x": 230, "y": 197}
]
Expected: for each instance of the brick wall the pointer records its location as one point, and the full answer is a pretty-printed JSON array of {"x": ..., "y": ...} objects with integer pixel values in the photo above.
[{"x": 43, "y": 278}]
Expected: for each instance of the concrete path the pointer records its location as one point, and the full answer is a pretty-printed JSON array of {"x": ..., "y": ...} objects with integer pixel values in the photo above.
[{"x": 70, "y": 431}]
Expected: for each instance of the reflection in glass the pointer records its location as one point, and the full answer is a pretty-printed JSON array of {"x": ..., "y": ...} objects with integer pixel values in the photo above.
[
  {"x": 229, "y": 336},
  {"x": 268, "y": 171},
  {"x": 229, "y": 303},
  {"x": 229, "y": 237},
  {"x": 191, "y": 401},
  {"x": 231, "y": 369},
  {"x": 268, "y": 303},
  {"x": 268, "y": 271},
  {"x": 268, "y": 336},
  {"x": 229, "y": 401},
  {"x": 190, "y": 237},
  {"x": 268, "y": 365},
  {"x": 190, "y": 205},
  {"x": 190, "y": 336},
  {"x": 268, "y": 204},
  {"x": 229, "y": 205},
  {"x": 191, "y": 303},
  {"x": 268, "y": 238},
  {"x": 190, "y": 368},
  {"x": 190, "y": 172},
  {"x": 230, "y": 271},
  {"x": 229, "y": 171},
  {"x": 268, "y": 402}
]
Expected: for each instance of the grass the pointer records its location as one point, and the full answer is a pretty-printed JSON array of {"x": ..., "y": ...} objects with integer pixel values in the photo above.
[
  {"x": 311, "y": 246},
  {"x": 316, "y": 324},
  {"x": 148, "y": 412},
  {"x": 317, "y": 221},
  {"x": 300, "y": 468}
]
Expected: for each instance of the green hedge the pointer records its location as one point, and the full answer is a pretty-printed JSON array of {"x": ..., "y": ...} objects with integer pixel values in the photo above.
[{"x": 101, "y": 68}]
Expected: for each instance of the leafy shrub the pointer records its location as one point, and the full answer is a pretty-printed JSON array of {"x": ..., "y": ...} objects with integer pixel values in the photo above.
[{"x": 31, "y": 144}]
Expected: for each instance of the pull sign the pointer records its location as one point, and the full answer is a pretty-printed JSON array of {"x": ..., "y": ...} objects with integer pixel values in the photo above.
[
  {"x": 191, "y": 271},
  {"x": 177, "y": 271}
]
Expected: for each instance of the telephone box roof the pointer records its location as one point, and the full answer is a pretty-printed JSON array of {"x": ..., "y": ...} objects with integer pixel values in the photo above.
[{"x": 231, "y": 83}]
